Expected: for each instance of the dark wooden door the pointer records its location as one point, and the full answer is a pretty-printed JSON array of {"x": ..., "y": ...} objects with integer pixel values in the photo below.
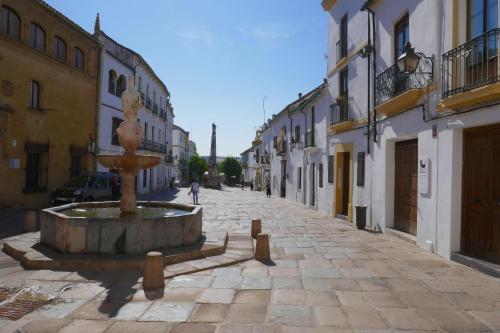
[
  {"x": 405, "y": 187},
  {"x": 345, "y": 183},
  {"x": 481, "y": 193}
]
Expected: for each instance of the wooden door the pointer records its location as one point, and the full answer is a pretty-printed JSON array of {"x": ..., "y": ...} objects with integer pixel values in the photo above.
[
  {"x": 405, "y": 187},
  {"x": 481, "y": 193},
  {"x": 345, "y": 183}
]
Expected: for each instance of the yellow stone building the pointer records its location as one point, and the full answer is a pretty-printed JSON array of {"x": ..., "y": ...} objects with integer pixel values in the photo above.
[{"x": 48, "y": 101}]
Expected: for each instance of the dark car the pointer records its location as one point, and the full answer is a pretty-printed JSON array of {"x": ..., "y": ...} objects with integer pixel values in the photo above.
[{"x": 90, "y": 187}]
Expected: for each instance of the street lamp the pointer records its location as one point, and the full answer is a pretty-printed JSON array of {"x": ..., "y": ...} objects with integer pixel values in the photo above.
[{"x": 408, "y": 61}]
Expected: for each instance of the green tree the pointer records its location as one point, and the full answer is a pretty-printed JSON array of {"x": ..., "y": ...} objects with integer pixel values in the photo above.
[
  {"x": 232, "y": 169},
  {"x": 197, "y": 166}
]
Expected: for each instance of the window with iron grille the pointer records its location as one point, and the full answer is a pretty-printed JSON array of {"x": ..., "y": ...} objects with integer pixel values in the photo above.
[
  {"x": 330, "y": 169},
  {"x": 299, "y": 178},
  {"x": 361, "y": 169},
  {"x": 10, "y": 24},
  {"x": 37, "y": 37},
  {"x": 320, "y": 177},
  {"x": 59, "y": 49},
  {"x": 35, "y": 95},
  {"x": 114, "y": 126},
  {"x": 37, "y": 167},
  {"x": 79, "y": 59}
]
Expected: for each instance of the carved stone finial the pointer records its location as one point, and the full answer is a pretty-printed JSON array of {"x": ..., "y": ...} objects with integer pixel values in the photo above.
[{"x": 97, "y": 25}]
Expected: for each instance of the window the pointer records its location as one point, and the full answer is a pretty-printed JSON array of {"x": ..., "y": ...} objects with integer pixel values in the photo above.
[
  {"x": 401, "y": 34},
  {"x": 75, "y": 167},
  {"x": 79, "y": 59},
  {"x": 482, "y": 15},
  {"x": 35, "y": 95},
  {"x": 320, "y": 177},
  {"x": 144, "y": 178},
  {"x": 10, "y": 23},
  {"x": 77, "y": 158},
  {"x": 152, "y": 133},
  {"x": 145, "y": 130},
  {"x": 299, "y": 178},
  {"x": 114, "y": 126},
  {"x": 361, "y": 169},
  {"x": 140, "y": 84},
  {"x": 297, "y": 134},
  {"x": 120, "y": 85},
  {"x": 36, "y": 172},
  {"x": 343, "y": 37},
  {"x": 330, "y": 169},
  {"x": 112, "y": 82},
  {"x": 59, "y": 49},
  {"x": 37, "y": 37}
]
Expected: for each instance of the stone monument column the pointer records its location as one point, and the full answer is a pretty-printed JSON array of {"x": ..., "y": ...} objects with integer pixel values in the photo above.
[{"x": 213, "y": 177}]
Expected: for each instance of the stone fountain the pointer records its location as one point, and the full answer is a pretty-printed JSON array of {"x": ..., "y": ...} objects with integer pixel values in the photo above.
[{"x": 126, "y": 226}]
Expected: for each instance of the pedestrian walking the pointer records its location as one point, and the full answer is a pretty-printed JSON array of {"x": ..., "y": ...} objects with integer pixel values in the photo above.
[
  {"x": 242, "y": 184},
  {"x": 251, "y": 185},
  {"x": 115, "y": 188},
  {"x": 195, "y": 188},
  {"x": 268, "y": 188}
]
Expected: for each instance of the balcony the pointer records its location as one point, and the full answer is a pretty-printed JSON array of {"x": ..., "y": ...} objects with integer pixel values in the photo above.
[
  {"x": 265, "y": 160},
  {"x": 281, "y": 148},
  {"x": 340, "y": 115},
  {"x": 153, "y": 146},
  {"x": 396, "y": 91},
  {"x": 143, "y": 97},
  {"x": 155, "y": 108},
  {"x": 169, "y": 158},
  {"x": 148, "y": 103},
  {"x": 163, "y": 114},
  {"x": 470, "y": 72},
  {"x": 309, "y": 142}
]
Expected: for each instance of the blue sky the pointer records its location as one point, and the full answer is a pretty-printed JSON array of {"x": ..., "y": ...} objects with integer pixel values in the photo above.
[{"x": 219, "y": 58}]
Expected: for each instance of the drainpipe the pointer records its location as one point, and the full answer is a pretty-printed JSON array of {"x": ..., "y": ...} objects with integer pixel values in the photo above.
[
  {"x": 304, "y": 159},
  {"x": 374, "y": 51},
  {"x": 368, "y": 102},
  {"x": 98, "y": 102}
]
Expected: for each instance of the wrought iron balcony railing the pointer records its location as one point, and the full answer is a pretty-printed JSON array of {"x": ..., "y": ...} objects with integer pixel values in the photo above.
[
  {"x": 281, "y": 148},
  {"x": 471, "y": 65},
  {"x": 143, "y": 97},
  {"x": 153, "y": 146},
  {"x": 169, "y": 158},
  {"x": 148, "y": 103},
  {"x": 163, "y": 114},
  {"x": 265, "y": 159},
  {"x": 155, "y": 108},
  {"x": 391, "y": 82},
  {"x": 340, "y": 111},
  {"x": 309, "y": 142}
]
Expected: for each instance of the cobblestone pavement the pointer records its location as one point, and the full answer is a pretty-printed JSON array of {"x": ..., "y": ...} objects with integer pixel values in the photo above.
[{"x": 326, "y": 277}]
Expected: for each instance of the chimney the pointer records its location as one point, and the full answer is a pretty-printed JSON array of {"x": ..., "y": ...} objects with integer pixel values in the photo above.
[
  {"x": 325, "y": 81},
  {"x": 300, "y": 95}
]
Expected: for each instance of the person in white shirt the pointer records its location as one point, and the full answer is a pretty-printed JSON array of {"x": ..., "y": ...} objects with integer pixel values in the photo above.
[{"x": 195, "y": 188}]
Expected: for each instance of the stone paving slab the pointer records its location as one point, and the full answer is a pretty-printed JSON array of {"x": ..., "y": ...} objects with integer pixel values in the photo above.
[{"x": 325, "y": 276}]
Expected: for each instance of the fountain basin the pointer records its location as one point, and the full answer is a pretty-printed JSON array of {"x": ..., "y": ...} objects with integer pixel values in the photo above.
[{"x": 100, "y": 227}]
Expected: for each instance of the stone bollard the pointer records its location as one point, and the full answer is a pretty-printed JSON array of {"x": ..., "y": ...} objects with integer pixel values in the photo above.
[
  {"x": 256, "y": 227},
  {"x": 30, "y": 221},
  {"x": 262, "y": 251},
  {"x": 153, "y": 271}
]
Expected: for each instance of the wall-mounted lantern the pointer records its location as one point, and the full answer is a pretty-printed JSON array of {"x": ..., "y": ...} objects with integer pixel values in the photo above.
[{"x": 408, "y": 61}]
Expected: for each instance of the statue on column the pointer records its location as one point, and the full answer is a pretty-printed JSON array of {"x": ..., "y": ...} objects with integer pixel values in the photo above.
[{"x": 213, "y": 176}]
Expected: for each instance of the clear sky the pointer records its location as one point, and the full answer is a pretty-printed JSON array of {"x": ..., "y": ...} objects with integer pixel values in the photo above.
[{"x": 219, "y": 58}]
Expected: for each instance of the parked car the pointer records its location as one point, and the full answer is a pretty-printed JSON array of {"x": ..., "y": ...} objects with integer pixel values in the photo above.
[{"x": 89, "y": 187}]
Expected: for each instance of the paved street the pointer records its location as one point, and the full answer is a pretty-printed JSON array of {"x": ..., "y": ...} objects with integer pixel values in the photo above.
[{"x": 326, "y": 276}]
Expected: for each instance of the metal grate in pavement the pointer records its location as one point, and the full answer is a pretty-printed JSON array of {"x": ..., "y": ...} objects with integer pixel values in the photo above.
[{"x": 15, "y": 305}]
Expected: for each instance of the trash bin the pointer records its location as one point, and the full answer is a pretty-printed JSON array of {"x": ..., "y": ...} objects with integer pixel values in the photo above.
[{"x": 361, "y": 217}]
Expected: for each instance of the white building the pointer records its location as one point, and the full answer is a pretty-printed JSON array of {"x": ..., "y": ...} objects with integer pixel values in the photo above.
[
  {"x": 290, "y": 151},
  {"x": 431, "y": 156},
  {"x": 192, "y": 149},
  {"x": 156, "y": 114},
  {"x": 180, "y": 152}
]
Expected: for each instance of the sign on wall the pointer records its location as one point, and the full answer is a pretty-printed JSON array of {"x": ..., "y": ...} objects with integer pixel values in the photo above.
[{"x": 423, "y": 174}]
